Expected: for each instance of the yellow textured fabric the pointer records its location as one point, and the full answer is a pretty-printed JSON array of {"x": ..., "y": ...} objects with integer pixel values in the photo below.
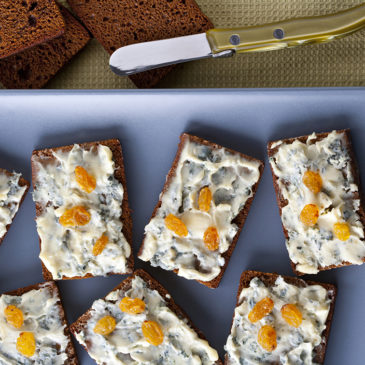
[{"x": 340, "y": 63}]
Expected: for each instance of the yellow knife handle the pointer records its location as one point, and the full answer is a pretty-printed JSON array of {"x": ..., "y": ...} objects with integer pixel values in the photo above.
[{"x": 287, "y": 33}]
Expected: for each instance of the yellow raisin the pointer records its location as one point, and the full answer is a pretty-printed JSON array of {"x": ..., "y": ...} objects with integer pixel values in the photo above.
[
  {"x": 292, "y": 315},
  {"x": 100, "y": 245},
  {"x": 211, "y": 238},
  {"x": 86, "y": 181},
  {"x": 105, "y": 325},
  {"x": 313, "y": 181},
  {"x": 267, "y": 338},
  {"x": 309, "y": 215},
  {"x": 205, "y": 197},
  {"x": 25, "y": 344},
  {"x": 152, "y": 332},
  {"x": 176, "y": 225},
  {"x": 14, "y": 316},
  {"x": 76, "y": 216},
  {"x": 342, "y": 231},
  {"x": 132, "y": 306},
  {"x": 261, "y": 309}
]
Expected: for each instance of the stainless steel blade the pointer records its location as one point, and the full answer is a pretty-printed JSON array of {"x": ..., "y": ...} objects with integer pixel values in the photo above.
[{"x": 145, "y": 56}]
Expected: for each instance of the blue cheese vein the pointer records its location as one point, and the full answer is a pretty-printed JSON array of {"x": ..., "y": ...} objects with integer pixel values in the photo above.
[
  {"x": 311, "y": 248},
  {"x": 231, "y": 178},
  {"x": 126, "y": 344},
  {"x": 67, "y": 251}
]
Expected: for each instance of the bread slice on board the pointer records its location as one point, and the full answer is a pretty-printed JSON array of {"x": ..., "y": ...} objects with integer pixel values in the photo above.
[
  {"x": 26, "y": 23},
  {"x": 151, "y": 293},
  {"x": 339, "y": 198},
  {"x": 111, "y": 151},
  {"x": 279, "y": 291},
  {"x": 232, "y": 179},
  {"x": 40, "y": 320},
  {"x": 34, "y": 67},
  {"x": 120, "y": 23},
  {"x": 10, "y": 199}
]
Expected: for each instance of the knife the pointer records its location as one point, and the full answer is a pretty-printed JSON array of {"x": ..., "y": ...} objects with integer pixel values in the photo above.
[{"x": 144, "y": 56}]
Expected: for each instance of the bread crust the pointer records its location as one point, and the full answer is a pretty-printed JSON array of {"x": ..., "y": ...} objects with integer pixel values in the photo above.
[
  {"x": 120, "y": 23},
  {"x": 269, "y": 280},
  {"x": 153, "y": 284},
  {"x": 34, "y": 67},
  {"x": 21, "y": 182},
  {"x": 355, "y": 173},
  {"x": 70, "y": 349},
  {"x": 240, "y": 218},
  {"x": 46, "y": 155},
  {"x": 28, "y": 23}
]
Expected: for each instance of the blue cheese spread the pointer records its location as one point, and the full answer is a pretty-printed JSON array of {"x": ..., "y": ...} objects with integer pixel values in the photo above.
[
  {"x": 10, "y": 196},
  {"x": 41, "y": 317},
  {"x": 67, "y": 251},
  {"x": 315, "y": 247},
  {"x": 127, "y": 345},
  {"x": 294, "y": 345},
  {"x": 230, "y": 178}
]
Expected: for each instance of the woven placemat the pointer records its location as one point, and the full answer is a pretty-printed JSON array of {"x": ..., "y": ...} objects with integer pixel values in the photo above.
[{"x": 340, "y": 63}]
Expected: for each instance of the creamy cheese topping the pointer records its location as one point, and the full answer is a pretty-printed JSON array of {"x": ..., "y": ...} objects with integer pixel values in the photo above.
[
  {"x": 41, "y": 317},
  {"x": 127, "y": 345},
  {"x": 10, "y": 196},
  {"x": 294, "y": 345},
  {"x": 67, "y": 251},
  {"x": 313, "y": 247},
  {"x": 231, "y": 178}
]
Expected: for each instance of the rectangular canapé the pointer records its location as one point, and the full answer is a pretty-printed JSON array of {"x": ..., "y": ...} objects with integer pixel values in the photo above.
[
  {"x": 37, "y": 311},
  {"x": 130, "y": 307},
  {"x": 13, "y": 188},
  {"x": 83, "y": 217},
  {"x": 202, "y": 209},
  {"x": 298, "y": 339},
  {"x": 319, "y": 196}
]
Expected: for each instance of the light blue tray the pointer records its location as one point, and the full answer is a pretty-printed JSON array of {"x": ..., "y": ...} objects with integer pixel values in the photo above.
[{"x": 148, "y": 125}]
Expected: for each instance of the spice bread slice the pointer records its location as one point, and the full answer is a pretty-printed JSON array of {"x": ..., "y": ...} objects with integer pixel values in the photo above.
[
  {"x": 337, "y": 195},
  {"x": 107, "y": 205},
  {"x": 179, "y": 335},
  {"x": 315, "y": 301},
  {"x": 34, "y": 67},
  {"x": 13, "y": 189},
  {"x": 120, "y": 23},
  {"x": 26, "y": 23},
  {"x": 229, "y": 180},
  {"x": 47, "y": 322}
]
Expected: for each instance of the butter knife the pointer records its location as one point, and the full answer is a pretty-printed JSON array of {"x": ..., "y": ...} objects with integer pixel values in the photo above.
[{"x": 144, "y": 56}]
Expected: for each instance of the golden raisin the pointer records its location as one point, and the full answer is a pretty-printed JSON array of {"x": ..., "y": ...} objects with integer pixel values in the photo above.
[
  {"x": 132, "y": 306},
  {"x": 100, "y": 245},
  {"x": 267, "y": 338},
  {"x": 176, "y": 225},
  {"x": 313, "y": 181},
  {"x": 14, "y": 316},
  {"x": 76, "y": 216},
  {"x": 309, "y": 215},
  {"x": 152, "y": 332},
  {"x": 205, "y": 197},
  {"x": 105, "y": 325},
  {"x": 261, "y": 309},
  {"x": 342, "y": 231},
  {"x": 211, "y": 238},
  {"x": 292, "y": 315},
  {"x": 86, "y": 181},
  {"x": 25, "y": 344}
]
